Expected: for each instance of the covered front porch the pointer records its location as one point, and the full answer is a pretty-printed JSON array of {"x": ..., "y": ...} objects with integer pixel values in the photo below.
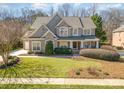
[{"x": 78, "y": 44}]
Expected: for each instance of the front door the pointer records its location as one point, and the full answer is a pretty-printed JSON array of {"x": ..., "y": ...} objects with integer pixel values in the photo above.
[
  {"x": 87, "y": 45},
  {"x": 76, "y": 45}
]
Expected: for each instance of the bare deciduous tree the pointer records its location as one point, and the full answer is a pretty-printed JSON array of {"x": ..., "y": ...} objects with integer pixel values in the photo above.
[
  {"x": 64, "y": 10},
  {"x": 51, "y": 11},
  {"x": 7, "y": 39}
]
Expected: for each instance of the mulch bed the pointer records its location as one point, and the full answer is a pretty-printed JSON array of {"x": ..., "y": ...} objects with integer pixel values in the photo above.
[
  {"x": 109, "y": 70},
  {"x": 10, "y": 64}
]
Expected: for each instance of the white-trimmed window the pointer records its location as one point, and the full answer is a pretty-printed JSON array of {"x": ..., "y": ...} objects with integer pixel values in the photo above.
[
  {"x": 87, "y": 32},
  {"x": 75, "y": 32},
  {"x": 63, "y": 31},
  {"x": 36, "y": 45}
]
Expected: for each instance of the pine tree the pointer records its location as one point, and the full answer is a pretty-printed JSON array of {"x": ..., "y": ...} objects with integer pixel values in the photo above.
[{"x": 97, "y": 19}]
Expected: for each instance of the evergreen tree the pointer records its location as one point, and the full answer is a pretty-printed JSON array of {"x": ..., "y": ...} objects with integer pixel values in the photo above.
[
  {"x": 49, "y": 48},
  {"x": 97, "y": 19}
]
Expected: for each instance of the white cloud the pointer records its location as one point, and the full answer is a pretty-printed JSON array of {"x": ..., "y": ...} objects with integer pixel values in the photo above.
[{"x": 39, "y": 5}]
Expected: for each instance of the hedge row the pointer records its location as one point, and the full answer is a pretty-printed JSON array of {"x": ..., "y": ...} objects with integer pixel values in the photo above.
[
  {"x": 100, "y": 54},
  {"x": 108, "y": 47},
  {"x": 63, "y": 50}
]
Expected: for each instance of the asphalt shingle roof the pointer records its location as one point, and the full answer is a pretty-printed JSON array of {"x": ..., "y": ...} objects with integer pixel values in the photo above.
[
  {"x": 51, "y": 22},
  {"x": 40, "y": 21},
  {"x": 73, "y": 21},
  {"x": 88, "y": 22},
  {"x": 120, "y": 29}
]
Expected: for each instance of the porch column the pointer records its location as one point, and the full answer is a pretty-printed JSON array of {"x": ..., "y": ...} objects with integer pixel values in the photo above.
[
  {"x": 82, "y": 44},
  {"x": 71, "y": 46},
  {"x": 97, "y": 44}
]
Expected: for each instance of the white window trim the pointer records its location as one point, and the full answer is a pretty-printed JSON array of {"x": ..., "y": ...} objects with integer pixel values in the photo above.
[
  {"x": 36, "y": 42},
  {"x": 84, "y": 32},
  {"x": 76, "y": 31},
  {"x": 60, "y": 31}
]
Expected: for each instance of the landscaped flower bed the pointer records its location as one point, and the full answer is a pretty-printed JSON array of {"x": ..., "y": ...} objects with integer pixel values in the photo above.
[{"x": 12, "y": 61}]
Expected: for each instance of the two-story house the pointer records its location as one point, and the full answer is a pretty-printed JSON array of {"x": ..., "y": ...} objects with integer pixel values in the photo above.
[{"x": 72, "y": 32}]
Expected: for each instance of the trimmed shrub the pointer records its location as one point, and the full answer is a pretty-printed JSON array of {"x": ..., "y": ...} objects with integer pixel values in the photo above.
[
  {"x": 119, "y": 48},
  {"x": 104, "y": 43},
  {"x": 63, "y": 50},
  {"x": 108, "y": 47},
  {"x": 30, "y": 52},
  {"x": 78, "y": 72},
  {"x": 100, "y": 54},
  {"x": 38, "y": 53},
  {"x": 49, "y": 48}
]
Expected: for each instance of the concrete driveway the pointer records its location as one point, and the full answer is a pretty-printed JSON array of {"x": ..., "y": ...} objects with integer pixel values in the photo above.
[{"x": 16, "y": 53}]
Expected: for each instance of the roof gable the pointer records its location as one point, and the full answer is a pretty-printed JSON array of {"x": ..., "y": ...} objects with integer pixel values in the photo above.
[
  {"x": 53, "y": 22},
  {"x": 73, "y": 21},
  {"x": 49, "y": 33},
  {"x": 63, "y": 23},
  {"x": 38, "y": 33},
  {"x": 40, "y": 21},
  {"x": 44, "y": 24}
]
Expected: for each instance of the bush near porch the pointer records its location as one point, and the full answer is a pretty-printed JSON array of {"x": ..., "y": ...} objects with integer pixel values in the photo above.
[
  {"x": 100, "y": 54},
  {"x": 63, "y": 50},
  {"x": 49, "y": 48}
]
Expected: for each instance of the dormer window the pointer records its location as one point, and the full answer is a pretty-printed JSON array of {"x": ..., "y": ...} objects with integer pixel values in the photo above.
[
  {"x": 63, "y": 31},
  {"x": 75, "y": 32},
  {"x": 87, "y": 32}
]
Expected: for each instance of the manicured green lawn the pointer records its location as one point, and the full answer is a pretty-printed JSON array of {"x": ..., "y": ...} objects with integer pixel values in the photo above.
[
  {"x": 46, "y": 67},
  {"x": 41, "y": 86}
]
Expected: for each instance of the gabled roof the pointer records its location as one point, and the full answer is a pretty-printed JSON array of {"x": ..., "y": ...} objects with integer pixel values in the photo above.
[
  {"x": 39, "y": 32},
  {"x": 120, "y": 29},
  {"x": 73, "y": 21},
  {"x": 62, "y": 23},
  {"x": 27, "y": 34},
  {"x": 87, "y": 22},
  {"x": 40, "y": 21},
  {"x": 51, "y": 23}
]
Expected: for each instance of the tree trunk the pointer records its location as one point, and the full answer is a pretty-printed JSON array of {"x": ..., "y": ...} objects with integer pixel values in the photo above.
[{"x": 5, "y": 58}]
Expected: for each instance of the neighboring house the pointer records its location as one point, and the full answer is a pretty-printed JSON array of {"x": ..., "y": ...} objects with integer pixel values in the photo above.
[
  {"x": 118, "y": 37},
  {"x": 72, "y": 32}
]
